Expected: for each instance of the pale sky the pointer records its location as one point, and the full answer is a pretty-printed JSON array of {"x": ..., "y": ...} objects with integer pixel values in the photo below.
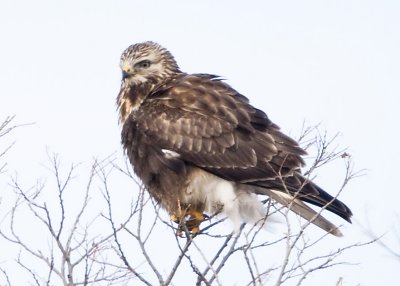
[{"x": 329, "y": 62}]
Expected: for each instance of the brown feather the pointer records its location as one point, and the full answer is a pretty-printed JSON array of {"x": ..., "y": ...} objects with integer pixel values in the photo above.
[{"x": 209, "y": 126}]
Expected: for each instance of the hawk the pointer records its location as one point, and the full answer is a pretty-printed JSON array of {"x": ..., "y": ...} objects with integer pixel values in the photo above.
[{"x": 201, "y": 148}]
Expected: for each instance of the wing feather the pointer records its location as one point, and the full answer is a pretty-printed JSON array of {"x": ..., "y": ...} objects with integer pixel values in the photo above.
[{"x": 212, "y": 126}]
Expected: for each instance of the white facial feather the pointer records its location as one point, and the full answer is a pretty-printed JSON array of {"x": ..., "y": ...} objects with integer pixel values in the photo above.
[{"x": 139, "y": 76}]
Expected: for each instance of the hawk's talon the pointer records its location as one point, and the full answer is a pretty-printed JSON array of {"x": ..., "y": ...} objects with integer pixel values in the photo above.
[
  {"x": 189, "y": 221},
  {"x": 175, "y": 218}
]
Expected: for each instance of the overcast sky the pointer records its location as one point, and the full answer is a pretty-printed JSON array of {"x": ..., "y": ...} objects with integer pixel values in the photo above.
[{"x": 329, "y": 62}]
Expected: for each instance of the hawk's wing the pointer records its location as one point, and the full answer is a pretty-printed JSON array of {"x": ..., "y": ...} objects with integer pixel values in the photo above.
[{"x": 210, "y": 125}]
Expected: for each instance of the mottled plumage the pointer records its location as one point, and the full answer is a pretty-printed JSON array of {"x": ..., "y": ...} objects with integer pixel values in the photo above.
[{"x": 200, "y": 147}]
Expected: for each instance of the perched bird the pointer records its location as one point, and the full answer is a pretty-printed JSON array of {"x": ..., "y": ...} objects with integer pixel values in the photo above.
[{"x": 200, "y": 147}]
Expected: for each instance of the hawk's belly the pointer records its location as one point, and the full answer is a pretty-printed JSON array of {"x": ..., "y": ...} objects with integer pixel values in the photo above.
[
  {"x": 177, "y": 185},
  {"x": 216, "y": 195}
]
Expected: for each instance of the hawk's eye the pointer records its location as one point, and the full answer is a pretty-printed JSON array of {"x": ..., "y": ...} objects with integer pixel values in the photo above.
[{"x": 143, "y": 64}]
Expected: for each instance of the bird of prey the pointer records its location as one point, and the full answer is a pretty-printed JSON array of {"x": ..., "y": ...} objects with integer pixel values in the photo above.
[{"x": 201, "y": 148}]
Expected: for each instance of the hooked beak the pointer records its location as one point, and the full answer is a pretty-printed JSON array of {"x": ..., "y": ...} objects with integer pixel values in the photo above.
[
  {"x": 125, "y": 75},
  {"x": 126, "y": 72}
]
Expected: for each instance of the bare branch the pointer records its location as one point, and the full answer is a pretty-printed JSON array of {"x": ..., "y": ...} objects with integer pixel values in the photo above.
[
  {"x": 81, "y": 255},
  {"x": 5, "y": 129},
  {"x": 106, "y": 194}
]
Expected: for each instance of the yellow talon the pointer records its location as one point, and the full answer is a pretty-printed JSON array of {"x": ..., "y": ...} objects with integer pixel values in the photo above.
[
  {"x": 190, "y": 220},
  {"x": 175, "y": 218}
]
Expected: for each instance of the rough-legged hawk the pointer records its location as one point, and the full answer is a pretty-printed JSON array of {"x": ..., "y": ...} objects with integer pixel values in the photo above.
[{"x": 200, "y": 147}]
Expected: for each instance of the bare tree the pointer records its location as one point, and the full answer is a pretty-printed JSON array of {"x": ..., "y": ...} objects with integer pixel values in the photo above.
[
  {"x": 205, "y": 259},
  {"x": 75, "y": 253},
  {"x": 108, "y": 233}
]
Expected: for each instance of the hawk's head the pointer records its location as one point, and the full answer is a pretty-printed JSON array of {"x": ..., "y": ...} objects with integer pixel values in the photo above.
[
  {"x": 148, "y": 61},
  {"x": 145, "y": 67}
]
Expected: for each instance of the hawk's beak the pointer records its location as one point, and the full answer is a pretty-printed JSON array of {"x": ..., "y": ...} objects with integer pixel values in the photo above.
[{"x": 126, "y": 72}]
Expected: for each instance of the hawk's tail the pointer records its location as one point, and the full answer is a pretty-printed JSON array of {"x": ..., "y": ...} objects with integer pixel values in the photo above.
[
  {"x": 303, "y": 210},
  {"x": 293, "y": 191},
  {"x": 302, "y": 189}
]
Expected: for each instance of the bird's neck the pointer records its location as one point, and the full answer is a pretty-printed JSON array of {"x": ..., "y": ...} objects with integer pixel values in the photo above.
[
  {"x": 130, "y": 99},
  {"x": 132, "y": 96}
]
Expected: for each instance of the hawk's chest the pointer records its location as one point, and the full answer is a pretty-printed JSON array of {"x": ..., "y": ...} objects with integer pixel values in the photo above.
[
  {"x": 138, "y": 150},
  {"x": 156, "y": 167}
]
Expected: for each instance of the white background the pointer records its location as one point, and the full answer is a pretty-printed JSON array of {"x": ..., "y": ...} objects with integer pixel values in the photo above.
[{"x": 329, "y": 62}]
